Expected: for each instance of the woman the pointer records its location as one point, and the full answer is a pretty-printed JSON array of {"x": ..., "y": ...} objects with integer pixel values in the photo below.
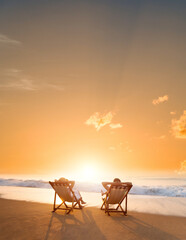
[{"x": 76, "y": 192}]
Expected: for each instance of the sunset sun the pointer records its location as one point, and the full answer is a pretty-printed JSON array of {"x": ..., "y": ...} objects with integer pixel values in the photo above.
[{"x": 89, "y": 173}]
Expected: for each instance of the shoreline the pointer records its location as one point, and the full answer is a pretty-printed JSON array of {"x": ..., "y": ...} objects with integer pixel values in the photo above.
[
  {"x": 171, "y": 206},
  {"x": 31, "y": 220}
]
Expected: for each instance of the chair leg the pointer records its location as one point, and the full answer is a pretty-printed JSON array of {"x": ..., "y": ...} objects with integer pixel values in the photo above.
[
  {"x": 126, "y": 206},
  {"x": 79, "y": 204},
  {"x": 63, "y": 202},
  {"x": 122, "y": 209},
  {"x": 102, "y": 206},
  {"x": 119, "y": 205},
  {"x": 107, "y": 209},
  {"x": 54, "y": 206}
]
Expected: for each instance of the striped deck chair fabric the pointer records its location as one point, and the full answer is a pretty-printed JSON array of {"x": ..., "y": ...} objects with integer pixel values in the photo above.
[
  {"x": 116, "y": 193},
  {"x": 66, "y": 194}
]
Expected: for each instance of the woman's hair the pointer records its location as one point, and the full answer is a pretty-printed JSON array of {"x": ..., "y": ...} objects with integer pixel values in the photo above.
[
  {"x": 116, "y": 180},
  {"x": 62, "y": 179}
]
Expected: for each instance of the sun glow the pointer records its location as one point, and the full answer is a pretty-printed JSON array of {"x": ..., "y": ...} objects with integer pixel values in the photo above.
[
  {"x": 89, "y": 173},
  {"x": 83, "y": 173},
  {"x": 87, "y": 169}
]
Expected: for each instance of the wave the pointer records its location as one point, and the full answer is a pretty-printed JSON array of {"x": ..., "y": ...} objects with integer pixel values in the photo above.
[
  {"x": 24, "y": 183},
  {"x": 169, "y": 191}
]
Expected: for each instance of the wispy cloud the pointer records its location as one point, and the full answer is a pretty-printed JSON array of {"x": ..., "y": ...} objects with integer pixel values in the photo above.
[
  {"x": 6, "y": 40},
  {"x": 99, "y": 121},
  {"x": 122, "y": 147},
  {"x": 53, "y": 86},
  {"x": 160, "y": 100},
  {"x": 159, "y": 137},
  {"x": 12, "y": 72},
  {"x": 128, "y": 149},
  {"x": 159, "y": 122},
  {"x": 15, "y": 79},
  {"x": 112, "y": 148},
  {"x": 172, "y": 113},
  {"x": 182, "y": 170},
  {"x": 21, "y": 84},
  {"x": 115, "y": 125},
  {"x": 162, "y": 137},
  {"x": 179, "y": 126}
]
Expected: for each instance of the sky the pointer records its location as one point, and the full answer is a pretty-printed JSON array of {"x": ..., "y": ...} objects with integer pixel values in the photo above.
[{"x": 92, "y": 85}]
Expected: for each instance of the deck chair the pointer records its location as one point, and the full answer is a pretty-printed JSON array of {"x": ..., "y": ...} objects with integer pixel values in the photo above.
[
  {"x": 116, "y": 193},
  {"x": 66, "y": 194}
]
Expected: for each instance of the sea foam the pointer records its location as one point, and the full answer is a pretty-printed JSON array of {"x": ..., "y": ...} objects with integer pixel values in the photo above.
[{"x": 155, "y": 189}]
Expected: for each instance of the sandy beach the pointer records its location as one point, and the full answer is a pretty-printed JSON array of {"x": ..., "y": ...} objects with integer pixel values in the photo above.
[{"x": 28, "y": 220}]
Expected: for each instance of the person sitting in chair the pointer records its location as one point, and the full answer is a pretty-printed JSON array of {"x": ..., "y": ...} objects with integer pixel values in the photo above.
[
  {"x": 76, "y": 192},
  {"x": 106, "y": 185}
]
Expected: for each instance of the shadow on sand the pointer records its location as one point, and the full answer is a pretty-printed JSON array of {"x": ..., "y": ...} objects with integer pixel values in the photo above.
[
  {"x": 84, "y": 226},
  {"x": 141, "y": 229},
  {"x": 70, "y": 227}
]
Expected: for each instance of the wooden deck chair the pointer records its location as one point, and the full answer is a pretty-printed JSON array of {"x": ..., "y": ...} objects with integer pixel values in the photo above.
[
  {"x": 116, "y": 193},
  {"x": 66, "y": 194}
]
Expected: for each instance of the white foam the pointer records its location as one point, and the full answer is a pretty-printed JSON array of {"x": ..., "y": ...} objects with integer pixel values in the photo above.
[{"x": 156, "y": 187}]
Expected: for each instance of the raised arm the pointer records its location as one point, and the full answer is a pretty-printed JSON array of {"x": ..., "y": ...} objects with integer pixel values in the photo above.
[
  {"x": 72, "y": 183},
  {"x": 105, "y": 185}
]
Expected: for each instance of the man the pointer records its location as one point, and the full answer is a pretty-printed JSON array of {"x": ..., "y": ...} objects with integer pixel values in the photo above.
[{"x": 106, "y": 185}]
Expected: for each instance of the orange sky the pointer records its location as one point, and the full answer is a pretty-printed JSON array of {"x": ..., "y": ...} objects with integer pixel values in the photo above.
[{"x": 92, "y": 83}]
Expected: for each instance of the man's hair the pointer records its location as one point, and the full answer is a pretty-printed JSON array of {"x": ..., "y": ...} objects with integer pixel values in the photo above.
[{"x": 116, "y": 180}]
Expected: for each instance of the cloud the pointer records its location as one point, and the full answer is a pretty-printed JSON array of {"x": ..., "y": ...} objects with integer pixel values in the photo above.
[
  {"x": 160, "y": 100},
  {"x": 15, "y": 79},
  {"x": 21, "y": 84},
  {"x": 99, "y": 121},
  {"x": 162, "y": 137},
  {"x": 112, "y": 148},
  {"x": 179, "y": 126},
  {"x": 6, "y": 40},
  {"x": 12, "y": 72},
  {"x": 128, "y": 149},
  {"x": 115, "y": 125},
  {"x": 159, "y": 122},
  {"x": 172, "y": 113},
  {"x": 182, "y": 169},
  {"x": 122, "y": 146},
  {"x": 53, "y": 86}
]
